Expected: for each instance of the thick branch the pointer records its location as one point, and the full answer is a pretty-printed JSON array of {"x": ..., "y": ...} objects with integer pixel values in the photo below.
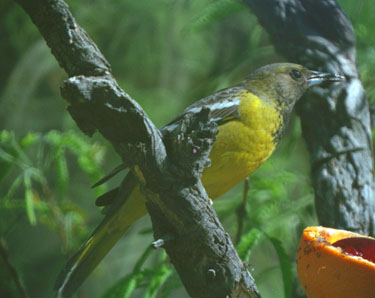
[
  {"x": 70, "y": 44},
  {"x": 201, "y": 251},
  {"x": 335, "y": 121}
]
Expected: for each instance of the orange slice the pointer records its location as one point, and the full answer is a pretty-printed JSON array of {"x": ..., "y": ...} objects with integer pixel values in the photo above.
[{"x": 336, "y": 264}]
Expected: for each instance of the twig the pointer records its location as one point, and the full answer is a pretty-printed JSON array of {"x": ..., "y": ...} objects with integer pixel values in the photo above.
[
  {"x": 57, "y": 216},
  {"x": 241, "y": 210},
  {"x": 12, "y": 269},
  {"x": 161, "y": 241}
]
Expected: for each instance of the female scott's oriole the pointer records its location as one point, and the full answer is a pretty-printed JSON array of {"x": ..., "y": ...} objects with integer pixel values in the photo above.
[{"x": 251, "y": 118}]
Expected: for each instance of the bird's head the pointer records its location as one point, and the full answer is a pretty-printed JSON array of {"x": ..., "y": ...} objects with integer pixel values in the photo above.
[{"x": 286, "y": 82}]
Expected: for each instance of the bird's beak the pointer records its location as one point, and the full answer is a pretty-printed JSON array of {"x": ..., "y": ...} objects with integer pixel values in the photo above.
[{"x": 317, "y": 78}]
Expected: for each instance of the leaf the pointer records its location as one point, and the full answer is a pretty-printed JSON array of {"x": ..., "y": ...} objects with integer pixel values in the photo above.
[
  {"x": 29, "y": 140},
  {"x": 123, "y": 288},
  {"x": 248, "y": 241},
  {"x": 285, "y": 266},
  {"x": 89, "y": 155},
  {"x": 6, "y": 162},
  {"x": 171, "y": 285},
  {"x": 126, "y": 286},
  {"x": 61, "y": 170},
  {"x": 142, "y": 259},
  {"x": 16, "y": 183},
  {"x": 214, "y": 13},
  {"x": 5, "y": 156},
  {"x": 159, "y": 278},
  {"x": 29, "y": 199},
  {"x": 5, "y": 136}
]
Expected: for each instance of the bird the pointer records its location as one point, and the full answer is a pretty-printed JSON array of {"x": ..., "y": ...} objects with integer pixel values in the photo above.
[{"x": 251, "y": 118}]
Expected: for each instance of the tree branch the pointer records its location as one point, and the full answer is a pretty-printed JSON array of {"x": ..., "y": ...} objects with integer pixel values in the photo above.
[
  {"x": 335, "y": 121},
  {"x": 169, "y": 169}
]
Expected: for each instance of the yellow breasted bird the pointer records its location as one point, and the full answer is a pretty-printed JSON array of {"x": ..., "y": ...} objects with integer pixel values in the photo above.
[{"x": 251, "y": 118}]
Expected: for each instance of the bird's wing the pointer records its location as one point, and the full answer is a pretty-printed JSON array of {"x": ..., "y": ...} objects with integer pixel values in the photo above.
[{"x": 223, "y": 106}]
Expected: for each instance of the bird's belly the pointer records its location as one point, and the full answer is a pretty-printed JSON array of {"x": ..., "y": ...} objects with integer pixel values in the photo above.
[{"x": 238, "y": 151}]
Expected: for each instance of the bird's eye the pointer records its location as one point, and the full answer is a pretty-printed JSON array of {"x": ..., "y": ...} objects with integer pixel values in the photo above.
[{"x": 295, "y": 74}]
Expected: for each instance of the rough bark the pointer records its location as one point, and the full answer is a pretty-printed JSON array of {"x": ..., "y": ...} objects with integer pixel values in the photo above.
[
  {"x": 169, "y": 169},
  {"x": 335, "y": 120}
]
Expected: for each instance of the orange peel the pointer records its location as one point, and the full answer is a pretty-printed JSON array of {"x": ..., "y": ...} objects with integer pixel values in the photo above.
[{"x": 326, "y": 271}]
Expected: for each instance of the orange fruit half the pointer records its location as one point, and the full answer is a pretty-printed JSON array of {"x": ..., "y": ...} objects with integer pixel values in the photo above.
[{"x": 336, "y": 264}]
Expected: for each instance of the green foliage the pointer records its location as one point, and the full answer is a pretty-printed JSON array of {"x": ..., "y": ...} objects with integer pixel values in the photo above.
[
  {"x": 361, "y": 14},
  {"x": 150, "y": 279},
  {"x": 251, "y": 239},
  {"x": 33, "y": 160},
  {"x": 248, "y": 241},
  {"x": 214, "y": 13},
  {"x": 29, "y": 198},
  {"x": 285, "y": 266}
]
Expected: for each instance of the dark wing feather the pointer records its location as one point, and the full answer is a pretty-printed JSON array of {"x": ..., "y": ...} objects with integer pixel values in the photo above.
[
  {"x": 114, "y": 172},
  {"x": 107, "y": 198},
  {"x": 223, "y": 105}
]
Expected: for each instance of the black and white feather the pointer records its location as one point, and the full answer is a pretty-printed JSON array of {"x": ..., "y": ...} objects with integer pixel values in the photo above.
[{"x": 223, "y": 106}]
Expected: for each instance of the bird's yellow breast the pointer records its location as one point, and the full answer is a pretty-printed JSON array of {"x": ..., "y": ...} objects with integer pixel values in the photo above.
[{"x": 243, "y": 145}]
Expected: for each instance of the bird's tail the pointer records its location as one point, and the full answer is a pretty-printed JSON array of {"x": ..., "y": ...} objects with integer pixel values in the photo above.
[{"x": 114, "y": 225}]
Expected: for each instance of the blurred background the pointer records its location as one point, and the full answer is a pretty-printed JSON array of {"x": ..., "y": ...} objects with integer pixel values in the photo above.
[{"x": 166, "y": 54}]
